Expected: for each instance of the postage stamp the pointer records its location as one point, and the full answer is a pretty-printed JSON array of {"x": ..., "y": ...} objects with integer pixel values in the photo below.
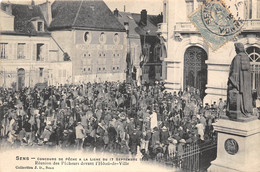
[{"x": 216, "y": 23}]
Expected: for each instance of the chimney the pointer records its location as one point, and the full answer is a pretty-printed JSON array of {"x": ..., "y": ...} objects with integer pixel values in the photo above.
[
  {"x": 46, "y": 11},
  {"x": 116, "y": 12},
  {"x": 7, "y": 7},
  {"x": 144, "y": 17}
]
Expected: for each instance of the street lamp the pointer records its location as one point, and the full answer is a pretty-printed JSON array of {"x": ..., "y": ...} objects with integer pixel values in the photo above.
[
  {"x": 144, "y": 52},
  {"x": 128, "y": 57},
  {"x": 129, "y": 62}
]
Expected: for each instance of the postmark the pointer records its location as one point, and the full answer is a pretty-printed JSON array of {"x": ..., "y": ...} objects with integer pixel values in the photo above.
[{"x": 216, "y": 23}]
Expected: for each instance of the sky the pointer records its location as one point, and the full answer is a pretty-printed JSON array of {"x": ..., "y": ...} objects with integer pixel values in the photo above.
[{"x": 135, "y": 6}]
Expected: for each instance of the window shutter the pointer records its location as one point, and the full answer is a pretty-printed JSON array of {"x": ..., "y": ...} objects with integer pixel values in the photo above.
[
  {"x": 34, "y": 53},
  {"x": 9, "y": 51},
  {"x": 27, "y": 52},
  {"x": 46, "y": 58}
]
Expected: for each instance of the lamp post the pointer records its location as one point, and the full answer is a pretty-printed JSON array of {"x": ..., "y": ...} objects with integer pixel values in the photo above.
[
  {"x": 144, "y": 52},
  {"x": 128, "y": 55},
  {"x": 129, "y": 61}
]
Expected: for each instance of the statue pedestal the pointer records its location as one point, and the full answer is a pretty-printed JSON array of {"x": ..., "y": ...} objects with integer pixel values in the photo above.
[{"x": 238, "y": 146}]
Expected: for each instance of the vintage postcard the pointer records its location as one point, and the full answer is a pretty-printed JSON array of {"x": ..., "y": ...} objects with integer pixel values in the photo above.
[{"x": 129, "y": 85}]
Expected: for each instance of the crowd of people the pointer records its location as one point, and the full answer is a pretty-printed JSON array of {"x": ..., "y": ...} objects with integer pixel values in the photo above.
[{"x": 108, "y": 117}]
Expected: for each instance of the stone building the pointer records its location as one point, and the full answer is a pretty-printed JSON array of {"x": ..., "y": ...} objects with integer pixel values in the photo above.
[
  {"x": 190, "y": 62},
  {"x": 144, "y": 45},
  {"x": 27, "y": 53},
  {"x": 92, "y": 37}
]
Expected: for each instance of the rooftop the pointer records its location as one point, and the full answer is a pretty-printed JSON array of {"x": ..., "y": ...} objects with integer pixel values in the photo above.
[
  {"x": 87, "y": 14},
  {"x": 24, "y": 15}
]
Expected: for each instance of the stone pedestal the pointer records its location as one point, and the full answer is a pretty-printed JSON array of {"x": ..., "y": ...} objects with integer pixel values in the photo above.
[{"x": 238, "y": 146}]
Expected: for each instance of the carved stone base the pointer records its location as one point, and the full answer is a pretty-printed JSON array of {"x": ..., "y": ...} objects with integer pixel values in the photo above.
[
  {"x": 238, "y": 146},
  {"x": 238, "y": 116}
]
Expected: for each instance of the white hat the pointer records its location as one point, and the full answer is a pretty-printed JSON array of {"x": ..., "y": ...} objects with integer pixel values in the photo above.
[
  {"x": 174, "y": 141},
  {"x": 164, "y": 128},
  {"x": 182, "y": 141}
]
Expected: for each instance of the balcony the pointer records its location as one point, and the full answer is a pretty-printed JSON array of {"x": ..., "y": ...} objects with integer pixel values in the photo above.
[
  {"x": 162, "y": 28},
  {"x": 184, "y": 27},
  {"x": 252, "y": 25}
]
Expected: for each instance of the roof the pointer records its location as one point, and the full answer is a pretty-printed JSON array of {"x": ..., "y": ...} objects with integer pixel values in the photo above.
[
  {"x": 152, "y": 21},
  {"x": 127, "y": 17},
  {"x": 24, "y": 14},
  {"x": 83, "y": 14}
]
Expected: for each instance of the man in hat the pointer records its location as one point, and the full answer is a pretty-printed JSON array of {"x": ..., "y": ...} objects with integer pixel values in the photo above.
[
  {"x": 172, "y": 149},
  {"x": 80, "y": 135},
  {"x": 134, "y": 142},
  {"x": 155, "y": 136},
  {"x": 221, "y": 107},
  {"x": 164, "y": 135}
]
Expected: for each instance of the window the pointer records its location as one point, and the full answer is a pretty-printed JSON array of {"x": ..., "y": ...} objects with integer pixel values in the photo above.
[
  {"x": 254, "y": 56},
  {"x": 41, "y": 72},
  {"x": 157, "y": 53},
  {"x": 3, "y": 50},
  {"x": 102, "y": 38},
  {"x": 116, "y": 39},
  {"x": 87, "y": 37},
  {"x": 146, "y": 53},
  {"x": 189, "y": 6},
  {"x": 39, "y": 55},
  {"x": 21, "y": 51},
  {"x": 40, "y": 26},
  {"x": 54, "y": 55}
]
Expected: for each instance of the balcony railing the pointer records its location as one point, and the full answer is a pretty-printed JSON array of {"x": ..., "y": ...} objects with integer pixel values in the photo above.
[
  {"x": 184, "y": 26},
  {"x": 253, "y": 24}
]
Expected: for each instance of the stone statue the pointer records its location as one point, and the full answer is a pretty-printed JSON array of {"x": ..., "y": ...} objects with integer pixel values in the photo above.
[{"x": 239, "y": 92}]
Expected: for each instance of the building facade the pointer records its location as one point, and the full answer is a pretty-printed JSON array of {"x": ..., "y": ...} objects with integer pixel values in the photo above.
[
  {"x": 144, "y": 46},
  {"x": 190, "y": 62},
  {"x": 26, "y": 49},
  {"x": 92, "y": 37}
]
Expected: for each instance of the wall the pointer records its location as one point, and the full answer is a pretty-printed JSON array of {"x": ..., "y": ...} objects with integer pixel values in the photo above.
[
  {"x": 181, "y": 34},
  {"x": 7, "y": 21},
  {"x": 99, "y": 61},
  {"x": 10, "y": 66},
  {"x": 60, "y": 73}
]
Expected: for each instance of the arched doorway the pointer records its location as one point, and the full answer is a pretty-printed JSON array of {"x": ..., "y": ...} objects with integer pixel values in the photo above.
[
  {"x": 254, "y": 56},
  {"x": 21, "y": 78},
  {"x": 195, "y": 69}
]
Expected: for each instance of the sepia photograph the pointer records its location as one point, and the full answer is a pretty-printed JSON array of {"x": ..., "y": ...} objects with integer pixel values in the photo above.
[{"x": 130, "y": 85}]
